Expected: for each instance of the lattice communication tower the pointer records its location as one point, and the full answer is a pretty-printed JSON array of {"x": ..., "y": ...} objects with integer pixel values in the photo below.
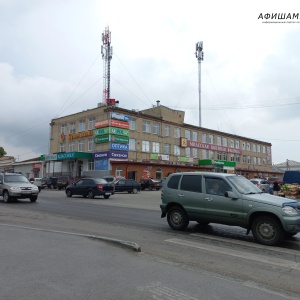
[{"x": 106, "y": 51}]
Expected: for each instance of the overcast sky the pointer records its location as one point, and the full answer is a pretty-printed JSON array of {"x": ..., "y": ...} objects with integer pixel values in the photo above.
[{"x": 51, "y": 66}]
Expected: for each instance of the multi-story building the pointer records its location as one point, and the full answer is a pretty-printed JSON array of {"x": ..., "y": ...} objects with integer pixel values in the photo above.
[{"x": 152, "y": 142}]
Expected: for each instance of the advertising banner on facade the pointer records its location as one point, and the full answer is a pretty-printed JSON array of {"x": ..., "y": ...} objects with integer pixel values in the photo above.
[
  {"x": 110, "y": 154},
  {"x": 111, "y": 130},
  {"x": 101, "y": 164},
  {"x": 113, "y": 123},
  {"x": 116, "y": 146},
  {"x": 121, "y": 117},
  {"x": 157, "y": 156}
]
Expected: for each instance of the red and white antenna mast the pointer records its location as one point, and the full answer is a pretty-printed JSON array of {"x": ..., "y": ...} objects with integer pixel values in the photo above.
[{"x": 106, "y": 51}]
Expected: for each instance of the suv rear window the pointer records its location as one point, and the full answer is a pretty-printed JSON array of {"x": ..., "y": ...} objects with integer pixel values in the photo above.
[
  {"x": 192, "y": 183},
  {"x": 173, "y": 182}
]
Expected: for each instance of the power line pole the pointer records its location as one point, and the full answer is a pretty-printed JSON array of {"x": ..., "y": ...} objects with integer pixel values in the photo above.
[{"x": 199, "y": 55}]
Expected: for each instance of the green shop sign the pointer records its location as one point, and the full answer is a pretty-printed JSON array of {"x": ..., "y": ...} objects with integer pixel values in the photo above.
[
  {"x": 73, "y": 155},
  {"x": 215, "y": 162},
  {"x": 111, "y": 138},
  {"x": 111, "y": 130}
]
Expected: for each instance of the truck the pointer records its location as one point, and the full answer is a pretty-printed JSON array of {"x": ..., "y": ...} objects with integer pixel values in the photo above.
[{"x": 291, "y": 177}]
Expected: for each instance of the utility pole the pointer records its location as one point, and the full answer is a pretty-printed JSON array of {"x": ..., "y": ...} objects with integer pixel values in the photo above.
[{"x": 199, "y": 55}]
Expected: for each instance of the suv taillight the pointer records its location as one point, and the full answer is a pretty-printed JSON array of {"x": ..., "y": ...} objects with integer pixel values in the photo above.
[{"x": 100, "y": 187}]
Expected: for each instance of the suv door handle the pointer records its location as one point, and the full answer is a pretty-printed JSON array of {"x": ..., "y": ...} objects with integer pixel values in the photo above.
[
  {"x": 181, "y": 195},
  {"x": 209, "y": 199}
]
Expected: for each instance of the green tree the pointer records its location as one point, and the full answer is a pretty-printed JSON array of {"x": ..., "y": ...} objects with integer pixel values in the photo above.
[{"x": 2, "y": 152}]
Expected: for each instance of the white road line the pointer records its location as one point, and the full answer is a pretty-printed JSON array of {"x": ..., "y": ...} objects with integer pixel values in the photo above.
[{"x": 239, "y": 254}]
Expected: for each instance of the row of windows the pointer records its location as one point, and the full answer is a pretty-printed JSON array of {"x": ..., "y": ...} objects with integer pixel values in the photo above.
[
  {"x": 146, "y": 147},
  {"x": 156, "y": 129}
]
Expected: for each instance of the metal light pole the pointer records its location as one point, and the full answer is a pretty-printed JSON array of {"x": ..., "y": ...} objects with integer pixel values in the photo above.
[{"x": 199, "y": 55}]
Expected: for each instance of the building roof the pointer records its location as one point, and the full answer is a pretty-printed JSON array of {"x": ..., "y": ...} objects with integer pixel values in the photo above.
[{"x": 288, "y": 163}]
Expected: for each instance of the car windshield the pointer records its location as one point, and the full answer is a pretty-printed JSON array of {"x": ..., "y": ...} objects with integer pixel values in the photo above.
[
  {"x": 16, "y": 178},
  {"x": 243, "y": 185}
]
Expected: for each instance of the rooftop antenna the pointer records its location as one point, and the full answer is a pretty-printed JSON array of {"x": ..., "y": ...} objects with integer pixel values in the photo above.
[{"x": 199, "y": 55}]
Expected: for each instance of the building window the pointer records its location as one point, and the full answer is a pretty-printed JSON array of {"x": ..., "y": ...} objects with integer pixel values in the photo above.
[
  {"x": 249, "y": 159},
  {"x": 91, "y": 165},
  {"x": 167, "y": 130},
  {"x": 90, "y": 145},
  {"x": 231, "y": 143},
  {"x": 62, "y": 147},
  {"x": 81, "y": 126},
  {"x": 188, "y": 152},
  {"x": 195, "y": 152},
  {"x": 72, "y": 127},
  {"x": 231, "y": 157},
  {"x": 167, "y": 149},
  {"x": 264, "y": 149},
  {"x": 81, "y": 145},
  {"x": 156, "y": 128},
  {"x": 176, "y": 150},
  {"x": 211, "y": 154},
  {"x": 264, "y": 161},
  {"x": 132, "y": 124},
  {"x": 158, "y": 173},
  {"x": 145, "y": 146},
  {"x": 63, "y": 129},
  {"x": 92, "y": 121},
  {"x": 254, "y": 147},
  {"x": 258, "y": 148},
  {"x": 259, "y": 161},
  {"x": 254, "y": 161},
  {"x": 225, "y": 156},
  {"x": 237, "y": 144},
  {"x": 237, "y": 158},
  {"x": 210, "y": 139},
  {"x": 195, "y": 136},
  {"x": 244, "y": 159},
  {"x": 225, "y": 143},
  {"x": 176, "y": 132},
  {"x": 71, "y": 146},
  {"x": 244, "y": 146},
  {"x": 155, "y": 147},
  {"x": 132, "y": 144},
  {"x": 204, "y": 138},
  {"x": 248, "y": 147},
  {"x": 204, "y": 154},
  {"x": 219, "y": 155},
  {"x": 187, "y": 134},
  {"x": 146, "y": 126},
  {"x": 219, "y": 140}
]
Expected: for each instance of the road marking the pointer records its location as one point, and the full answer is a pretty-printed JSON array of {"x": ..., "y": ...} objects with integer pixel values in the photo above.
[{"x": 236, "y": 253}]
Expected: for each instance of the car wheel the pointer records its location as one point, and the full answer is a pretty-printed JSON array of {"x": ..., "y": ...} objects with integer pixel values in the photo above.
[
  {"x": 91, "y": 195},
  {"x": 267, "y": 230},
  {"x": 33, "y": 198},
  {"x": 177, "y": 218},
  {"x": 6, "y": 197},
  {"x": 68, "y": 193},
  {"x": 134, "y": 190},
  {"x": 106, "y": 196}
]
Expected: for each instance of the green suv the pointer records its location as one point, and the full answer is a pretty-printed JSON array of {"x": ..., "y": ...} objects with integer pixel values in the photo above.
[
  {"x": 17, "y": 186},
  {"x": 231, "y": 200}
]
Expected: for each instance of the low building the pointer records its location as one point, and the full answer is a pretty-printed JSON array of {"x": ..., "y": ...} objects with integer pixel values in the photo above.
[{"x": 148, "y": 143}]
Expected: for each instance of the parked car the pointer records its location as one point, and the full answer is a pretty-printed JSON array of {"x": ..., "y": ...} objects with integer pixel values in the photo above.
[
  {"x": 186, "y": 197},
  {"x": 90, "y": 187},
  {"x": 52, "y": 183},
  {"x": 64, "y": 181},
  {"x": 17, "y": 186},
  {"x": 44, "y": 181},
  {"x": 111, "y": 178},
  {"x": 37, "y": 182},
  {"x": 150, "y": 184},
  {"x": 262, "y": 184},
  {"x": 127, "y": 185}
]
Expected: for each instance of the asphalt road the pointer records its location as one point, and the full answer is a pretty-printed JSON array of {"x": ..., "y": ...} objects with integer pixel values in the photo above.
[{"x": 48, "y": 253}]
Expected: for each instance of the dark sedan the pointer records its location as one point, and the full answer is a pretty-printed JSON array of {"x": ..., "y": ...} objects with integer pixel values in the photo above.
[
  {"x": 90, "y": 187},
  {"x": 127, "y": 185},
  {"x": 151, "y": 184}
]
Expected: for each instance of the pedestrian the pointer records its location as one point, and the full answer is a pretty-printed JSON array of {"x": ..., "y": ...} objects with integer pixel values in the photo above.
[{"x": 276, "y": 188}]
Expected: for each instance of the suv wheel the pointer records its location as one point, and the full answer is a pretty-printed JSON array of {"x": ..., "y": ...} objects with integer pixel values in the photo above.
[
  {"x": 33, "y": 198},
  {"x": 177, "y": 218},
  {"x": 6, "y": 197},
  {"x": 267, "y": 230},
  {"x": 134, "y": 190}
]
